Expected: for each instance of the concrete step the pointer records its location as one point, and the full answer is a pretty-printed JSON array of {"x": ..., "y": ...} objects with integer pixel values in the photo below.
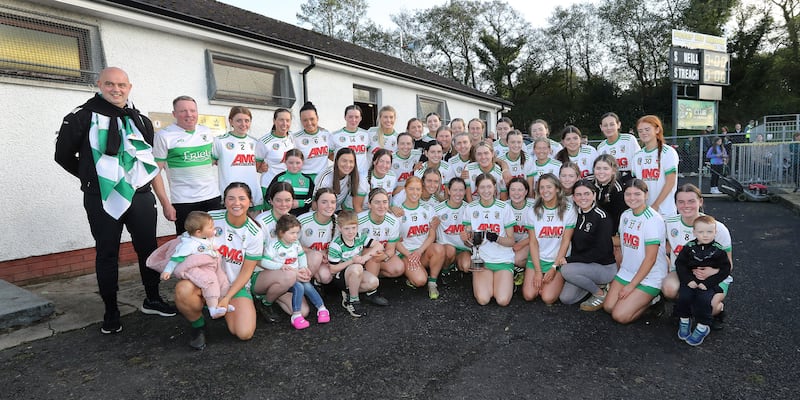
[{"x": 21, "y": 307}]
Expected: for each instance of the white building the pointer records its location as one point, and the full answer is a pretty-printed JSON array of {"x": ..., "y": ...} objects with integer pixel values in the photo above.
[{"x": 51, "y": 52}]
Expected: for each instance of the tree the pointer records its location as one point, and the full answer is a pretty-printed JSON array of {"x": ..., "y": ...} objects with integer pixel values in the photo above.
[
  {"x": 501, "y": 43},
  {"x": 342, "y": 19}
]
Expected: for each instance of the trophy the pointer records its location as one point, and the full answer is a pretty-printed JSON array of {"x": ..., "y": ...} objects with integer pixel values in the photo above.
[{"x": 477, "y": 261}]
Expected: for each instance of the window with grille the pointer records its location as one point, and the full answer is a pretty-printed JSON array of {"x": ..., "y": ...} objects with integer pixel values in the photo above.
[
  {"x": 246, "y": 81},
  {"x": 427, "y": 105},
  {"x": 39, "y": 47}
]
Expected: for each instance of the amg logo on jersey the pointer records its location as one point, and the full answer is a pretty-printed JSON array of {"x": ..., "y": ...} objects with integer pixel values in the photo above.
[
  {"x": 520, "y": 229},
  {"x": 622, "y": 162},
  {"x": 489, "y": 227},
  {"x": 631, "y": 241},
  {"x": 320, "y": 246},
  {"x": 232, "y": 255},
  {"x": 651, "y": 174},
  {"x": 404, "y": 176},
  {"x": 677, "y": 249},
  {"x": 244, "y": 160},
  {"x": 290, "y": 260},
  {"x": 453, "y": 229},
  {"x": 321, "y": 151},
  {"x": 418, "y": 230},
  {"x": 549, "y": 232},
  {"x": 359, "y": 148}
]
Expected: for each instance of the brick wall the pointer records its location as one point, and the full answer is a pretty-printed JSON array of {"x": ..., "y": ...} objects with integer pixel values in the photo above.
[{"x": 49, "y": 267}]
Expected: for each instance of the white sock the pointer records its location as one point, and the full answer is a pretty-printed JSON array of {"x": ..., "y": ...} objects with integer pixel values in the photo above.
[
  {"x": 231, "y": 307},
  {"x": 295, "y": 316},
  {"x": 685, "y": 320},
  {"x": 702, "y": 328},
  {"x": 322, "y": 308}
]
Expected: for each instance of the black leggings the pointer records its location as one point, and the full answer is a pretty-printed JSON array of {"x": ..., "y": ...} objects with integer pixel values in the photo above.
[{"x": 715, "y": 176}]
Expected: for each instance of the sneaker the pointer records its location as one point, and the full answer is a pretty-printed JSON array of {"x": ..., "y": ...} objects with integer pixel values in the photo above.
[
  {"x": 354, "y": 308},
  {"x": 376, "y": 299},
  {"x": 593, "y": 303},
  {"x": 718, "y": 322},
  {"x": 699, "y": 334},
  {"x": 158, "y": 307},
  {"x": 111, "y": 324},
  {"x": 409, "y": 284},
  {"x": 198, "y": 339},
  {"x": 519, "y": 276},
  {"x": 267, "y": 312},
  {"x": 715, "y": 190},
  {"x": 433, "y": 291},
  {"x": 323, "y": 317},
  {"x": 216, "y": 312},
  {"x": 684, "y": 329},
  {"x": 657, "y": 307},
  {"x": 300, "y": 323}
]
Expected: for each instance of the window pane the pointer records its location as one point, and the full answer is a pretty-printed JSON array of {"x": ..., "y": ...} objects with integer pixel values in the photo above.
[
  {"x": 364, "y": 95},
  {"x": 427, "y": 106},
  {"x": 246, "y": 83}
]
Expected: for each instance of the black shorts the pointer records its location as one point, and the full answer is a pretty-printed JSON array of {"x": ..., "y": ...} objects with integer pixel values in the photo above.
[{"x": 338, "y": 280}]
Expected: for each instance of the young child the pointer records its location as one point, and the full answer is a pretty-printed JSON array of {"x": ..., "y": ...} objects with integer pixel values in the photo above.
[
  {"x": 694, "y": 295},
  {"x": 287, "y": 253},
  {"x": 204, "y": 273},
  {"x": 347, "y": 255}
]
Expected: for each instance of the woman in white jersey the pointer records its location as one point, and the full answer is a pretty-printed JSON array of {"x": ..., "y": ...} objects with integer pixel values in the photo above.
[
  {"x": 235, "y": 155},
  {"x": 541, "y": 129},
  {"x": 312, "y": 141},
  {"x": 352, "y": 137},
  {"x": 377, "y": 224},
  {"x": 273, "y": 285},
  {"x": 457, "y": 125},
  {"x": 689, "y": 201},
  {"x": 504, "y": 126},
  {"x": 644, "y": 261},
  {"x": 380, "y": 174},
  {"x": 568, "y": 175},
  {"x": 484, "y": 164},
  {"x": 622, "y": 146},
  {"x": 435, "y": 161},
  {"x": 518, "y": 189},
  {"x": 581, "y": 154},
  {"x": 448, "y": 234},
  {"x": 432, "y": 121},
  {"x": 345, "y": 180},
  {"x": 384, "y": 136},
  {"x": 272, "y": 147},
  {"x": 550, "y": 224},
  {"x": 543, "y": 164},
  {"x": 404, "y": 160},
  {"x": 519, "y": 164},
  {"x": 492, "y": 220},
  {"x": 417, "y": 236},
  {"x": 657, "y": 165},
  {"x": 240, "y": 244},
  {"x": 317, "y": 232},
  {"x": 458, "y": 162}
]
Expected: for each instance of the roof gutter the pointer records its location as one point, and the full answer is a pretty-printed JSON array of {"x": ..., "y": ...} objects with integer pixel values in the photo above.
[{"x": 306, "y": 70}]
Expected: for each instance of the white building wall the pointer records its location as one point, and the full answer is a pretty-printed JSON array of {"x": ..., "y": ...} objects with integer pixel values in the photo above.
[{"x": 43, "y": 203}]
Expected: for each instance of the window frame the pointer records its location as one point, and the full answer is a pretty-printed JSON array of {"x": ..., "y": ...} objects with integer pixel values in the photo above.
[
  {"x": 443, "y": 111},
  {"x": 287, "y": 96}
]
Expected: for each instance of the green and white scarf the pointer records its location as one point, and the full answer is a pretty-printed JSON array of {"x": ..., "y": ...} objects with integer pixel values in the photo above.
[{"x": 132, "y": 167}]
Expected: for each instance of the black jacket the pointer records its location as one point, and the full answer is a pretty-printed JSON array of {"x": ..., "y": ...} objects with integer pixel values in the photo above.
[
  {"x": 591, "y": 239},
  {"x": 694, "y": 255}
]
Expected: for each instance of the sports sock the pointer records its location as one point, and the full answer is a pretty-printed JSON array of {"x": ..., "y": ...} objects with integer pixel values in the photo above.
[{"x": 199, "y": 323}]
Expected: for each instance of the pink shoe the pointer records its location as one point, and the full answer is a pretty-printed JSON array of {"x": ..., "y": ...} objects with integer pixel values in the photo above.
[
  {"x": 323, "y": 317},
  {"x": 300, "y": 323}
]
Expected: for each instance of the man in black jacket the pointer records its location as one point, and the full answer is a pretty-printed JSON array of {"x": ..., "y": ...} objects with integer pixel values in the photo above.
[{"x": 107, "y": 145}]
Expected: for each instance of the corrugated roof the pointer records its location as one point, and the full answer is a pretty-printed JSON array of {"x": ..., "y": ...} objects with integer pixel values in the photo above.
[{"x": 234, "y": 20}]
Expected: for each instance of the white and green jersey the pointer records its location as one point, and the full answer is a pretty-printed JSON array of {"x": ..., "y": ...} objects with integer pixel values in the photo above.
[
  {"x": 646, "y": 167},
  {"x": 279, "y": 254},
  {"x": 385, "y": 232},
  {"x": 190, "y": 170},
  {"x": 236, "y": 162},
  {"x": 555, "y": 147},
  {"x": 314, "y": 147},
  {"x": 450, "y": 226},
  {"x": 623, "y": 150},
  {"x": 344, "y": 199},
  {"x": 272, "y": 149},
  {"x": 678, "y": 234},
  {"x": 389, "y": 141},
  {"x": 444, "y": 169},
  {"x": 340, "y": 252},
  {"x": 550, "y": 167},
  {"x": 387, "y": 183},
  {"x": 636, "y": 232},
  {"x": 415, "y": 225},
  {"x": 403, "y": 168},
  {"x": 494, "y": 218},
  {"x": 516, "y": 168},
  {"x": 315, "y": 235},
  {"x": 584, "y": 159},
  {"x": 474, "y": 170},
  {"x": 549, "y": 229},
  {"x": 520, "y": 230},
  {"x": 358, "y": 141},
  {"x": 236, "y": 243},
  {"x": 501, "y": 149},
  {"x": 457, "y": 164},
  {"x": 267, "y": 220}
]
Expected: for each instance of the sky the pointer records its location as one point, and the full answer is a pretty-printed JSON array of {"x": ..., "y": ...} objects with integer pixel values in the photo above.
[{"x": 535, "y": 11}]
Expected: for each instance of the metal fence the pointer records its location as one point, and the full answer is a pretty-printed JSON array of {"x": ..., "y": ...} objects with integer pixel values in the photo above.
[
  {"x": 776, "y": 128},
  {"x": 773, "y": 163}
]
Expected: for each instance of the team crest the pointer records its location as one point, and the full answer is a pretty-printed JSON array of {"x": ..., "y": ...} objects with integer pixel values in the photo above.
[
  {"x": 305, "y": 142},
  {"x": 252, "y": 146},
  {"x": 218, "y": 232},
  {"x": 201, "y": 248},
  {"x": 674, "y": 232},
  {"x": 475, "y": 214},
  {"x": 276, "y": 146},
  {"x": 396, "y": 166},
  {"x": 229, "y": 146},
  {"x": 309, "y": 232},
  {"x": 365, "y": 231},
  {"x": 405, "y": 218},
  {"x": 497, "y": 215},
  {"x": 342, "y": 139},
  {"x": 282, "y": 254},
  {"x": 622, "y": 149}
]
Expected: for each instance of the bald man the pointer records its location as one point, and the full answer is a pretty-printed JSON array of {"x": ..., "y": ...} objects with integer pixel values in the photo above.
[{"x": 91, "y": 143}]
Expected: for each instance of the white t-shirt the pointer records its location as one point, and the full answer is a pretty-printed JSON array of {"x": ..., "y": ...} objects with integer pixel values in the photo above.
[
  {"x": 520, "y": 230},
  {"x": 636, "y": 232},
  {"x": 495, "y": 218},
  {"x": 585, "y": 159},
  {"x": 272, "y": 150},
  {"x": 645, "y": 167},
  {"x": 385, "y": 232},
  {"x": 457, "y": 164},
  {"x": 500, "y": 149},
  {"x": 474, "y": 170},
  {"x": 403, "y": 168},
  {"x": 678, "y": 234},
  {"x": 189, "y": 165},
  {"x": 236, "y": 162},
  {"x": 555, "y": 147},
  {"x": 623, "y": 150},
  {"x": 549, "y": 229},
  {"x": 450, "y": 225},
  {"x": 358, "y": 141},
  {"x": 444, "y": 170},
  {"x": 344, "y": 199},
  {"x": 236, "y": 244},
  {"x": 315, "y": 150},
  {"x": 267, "y": 220},
  {"x": 415, "y": 225},
  {"x": 516, "y": 168},
  {"x": 389, "y": 141},
  {"x": 549, "y": 167},
  {"x": 279, "y": 254},
  {"x": 315, "y": 235}
]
